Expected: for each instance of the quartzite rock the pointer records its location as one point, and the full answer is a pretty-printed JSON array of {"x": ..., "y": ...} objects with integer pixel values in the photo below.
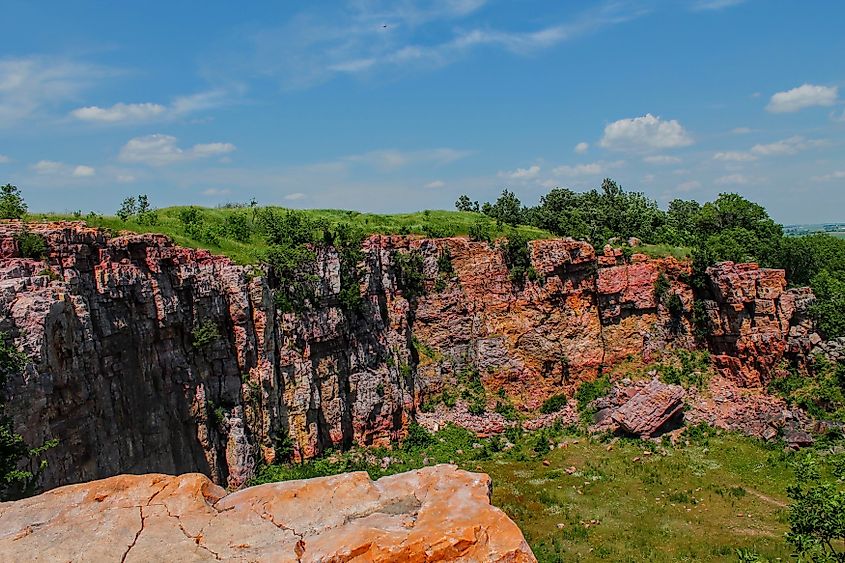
[
  {"x": 650, "y": 409},
  {"x": 438, "y": 513},
  {"x": 117, "y": 377}
]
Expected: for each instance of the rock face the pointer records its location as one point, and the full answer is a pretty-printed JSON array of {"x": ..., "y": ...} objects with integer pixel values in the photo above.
[
  {"x": 754, "y": 320},
  {"x": 120, "y": 377},
  {"x": 435, "y": 514},
  {"x": 647, "y": 412}
]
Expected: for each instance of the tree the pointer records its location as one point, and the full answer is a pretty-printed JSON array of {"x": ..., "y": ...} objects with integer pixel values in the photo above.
[
  {"x": 12, "y": 205},
  {"x": 817, "y": 514},
  {"x": 507, "y": 209},
  {"x": 465, "y": 204},
  {"x": 829, "y": 308},
  {"x": 127, "y": 209}
]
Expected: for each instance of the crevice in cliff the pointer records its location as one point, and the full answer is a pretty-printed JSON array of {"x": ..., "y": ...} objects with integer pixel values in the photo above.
[{"x": 137, "y": 535}]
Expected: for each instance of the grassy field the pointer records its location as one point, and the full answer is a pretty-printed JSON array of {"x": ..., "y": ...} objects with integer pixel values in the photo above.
[
  {"x": 426, "y": 223},
  {"x": 626, "y": 500}
]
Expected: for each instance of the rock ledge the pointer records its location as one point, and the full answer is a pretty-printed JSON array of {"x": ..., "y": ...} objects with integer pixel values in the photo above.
[{"x": 437, "y": 513}]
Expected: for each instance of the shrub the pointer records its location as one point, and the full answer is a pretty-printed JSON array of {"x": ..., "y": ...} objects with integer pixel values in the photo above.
[
  {"x": 661, "y": 287},
  {"x": 477, "y": 406},
  {"x": 409, "y": 273},
  {"x": 589, "y": 391},
  {"x": 817, "y": 514},
  {"x": 418, "y": 437},
  {"x": 237, "y": 226},
  {"x": 14, "y": 481},
  {"x": 127, "y": 209},
  {"x": 12, "y": 205},
  {"x": 480, "y": 231},
  {"x": 204, "y": 334},
  {"x": 553, "y": 404},
  {"x": 518, "y": 257},
  {"x": 31, "y": 245}
]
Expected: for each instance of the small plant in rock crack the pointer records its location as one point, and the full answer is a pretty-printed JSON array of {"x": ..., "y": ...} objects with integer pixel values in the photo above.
[{"x": 204, "y": 334}]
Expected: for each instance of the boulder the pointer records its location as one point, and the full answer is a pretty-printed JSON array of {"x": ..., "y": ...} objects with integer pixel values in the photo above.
[
  {"x": 650, "y": 409},
  {"x": 438, "y": 513}
]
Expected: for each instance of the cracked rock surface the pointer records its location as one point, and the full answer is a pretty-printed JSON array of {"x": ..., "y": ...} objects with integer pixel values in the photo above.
[{"x": 437, "y": 513}]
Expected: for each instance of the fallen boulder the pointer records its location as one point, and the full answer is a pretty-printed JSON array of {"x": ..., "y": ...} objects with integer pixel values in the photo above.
[
  {"x": 437, "y": 513},
  {"x": 647, "y": 412}
]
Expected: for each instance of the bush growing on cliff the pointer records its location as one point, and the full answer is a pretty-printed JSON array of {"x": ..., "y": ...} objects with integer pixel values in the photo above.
[
  {"x": 291, "y": 237},
  {"x": 518, "y": 258},
  {"x": 12, "y": 205},
  {"x": 409, "y": 273},
  {"x": 31, "y": 245},
  {"x": 589, "y": 391},
  {"x": 16, "y": 482},
  {"x": 204, "y": 334},
  {"x": 553, "y": 404}
]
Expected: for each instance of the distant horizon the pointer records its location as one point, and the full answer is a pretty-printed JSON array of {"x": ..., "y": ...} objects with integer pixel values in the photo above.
[{"x": 389, "y": 107}]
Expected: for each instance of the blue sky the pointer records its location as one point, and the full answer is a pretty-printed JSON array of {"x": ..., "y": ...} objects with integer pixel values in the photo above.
[{"x": 404, "y": 105}]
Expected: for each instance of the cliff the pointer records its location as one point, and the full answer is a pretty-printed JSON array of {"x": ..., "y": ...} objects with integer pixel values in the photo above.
[
  {"x": 120, "y": 377},
  {"x": 435, "y": 514}
]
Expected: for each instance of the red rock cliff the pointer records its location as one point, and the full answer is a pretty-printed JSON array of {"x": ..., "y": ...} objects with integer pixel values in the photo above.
[{"x": 118, "y": 379}]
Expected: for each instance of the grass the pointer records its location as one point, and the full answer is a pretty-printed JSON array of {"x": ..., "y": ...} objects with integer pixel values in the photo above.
[
  {"x": 665, "y": 251},
  {"x": 426, "y": 223},
  {"x": 696, "y": 502}
]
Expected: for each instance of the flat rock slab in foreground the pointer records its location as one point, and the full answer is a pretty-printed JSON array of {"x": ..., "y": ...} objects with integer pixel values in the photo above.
[
  {"x": 435, "y": 514},
  {"x": 650, "y": 409}
]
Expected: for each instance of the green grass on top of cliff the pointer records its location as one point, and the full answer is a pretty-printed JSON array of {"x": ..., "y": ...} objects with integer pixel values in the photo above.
[
  {"x": 429, "y": 223},
  {"x": 596, "y": 498}
]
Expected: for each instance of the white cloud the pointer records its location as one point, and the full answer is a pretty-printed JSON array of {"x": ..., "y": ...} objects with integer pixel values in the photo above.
[
  {"x": 296, "y": 196},
  {"x": 732, "y": 179},
  {"x": 216, "y": 192},
  {"x": 521, "y": 173},
  {"x": 125, "y": 178},
  {"x": 435, "y": 184},
  {"x": 587, "y": 169},
  {"x": 377, "y": 35},
  {"x": 52, "y": 167},
  {"x": 741, "y": 130},
  {"x": 837, "y": 175},
  {"x": 83, "y": 171},
  {"x": 804, "y": 96},
  {"x": 689, "y": 186},
  {"x": 792, "y": 145},
  {"x": 47, "y": 167},
  {"x": 647, "y": 132},
  {"x": 4, "y": 159},
  {"x": 28, "y": 85},
  {"x": 391, "y": 159},
  {"x": 119, "y": 112},
  {"x": 734, "y": 156},
  {"x": 160, "y": 150},
  {"x": 835, "y": 117},
  {"x": 139, "y": 112},
  {"x": 661, "y": 159},
  {"x": 582, "y": 147},
  {"x": 706, "y": 5}
]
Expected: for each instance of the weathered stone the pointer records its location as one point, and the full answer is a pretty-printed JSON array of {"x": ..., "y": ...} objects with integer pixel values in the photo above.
[
  {"x": 438, "y": 513},
  {"x": 797, "y": 439},
  {"x": 649, "y": 410}
]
